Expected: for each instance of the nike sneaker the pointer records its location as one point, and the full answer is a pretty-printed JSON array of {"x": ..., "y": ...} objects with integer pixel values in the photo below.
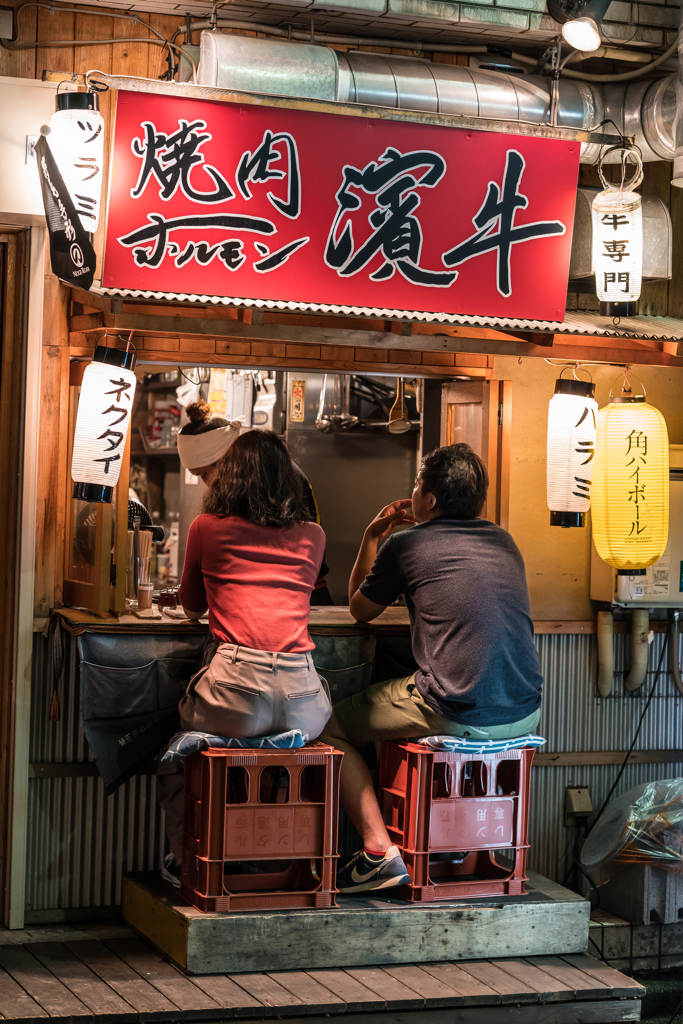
[
  {"x": 365, "y": 871},
  {"x": 170, "y": 871}
]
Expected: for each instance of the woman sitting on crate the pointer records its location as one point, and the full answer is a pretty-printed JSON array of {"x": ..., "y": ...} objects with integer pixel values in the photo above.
[{"x": 252, "y": 558}]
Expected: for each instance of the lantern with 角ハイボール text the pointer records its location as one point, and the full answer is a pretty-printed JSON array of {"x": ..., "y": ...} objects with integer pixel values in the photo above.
[{"x": 630, "y": 502}]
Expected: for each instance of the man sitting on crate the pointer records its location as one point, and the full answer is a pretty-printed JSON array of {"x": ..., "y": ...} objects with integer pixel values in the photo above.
[{"x": 472, "y": 636}]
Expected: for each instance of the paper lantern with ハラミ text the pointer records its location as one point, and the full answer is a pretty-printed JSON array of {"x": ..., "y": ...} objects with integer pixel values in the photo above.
[
  {"x": 630, "y": 503},
  {"x": 572, "y": 418},
  {"x": 102, "y": 423}
]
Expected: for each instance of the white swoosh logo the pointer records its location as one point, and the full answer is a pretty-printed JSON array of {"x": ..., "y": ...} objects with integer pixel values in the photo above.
[{"x": 355, "y": 877}]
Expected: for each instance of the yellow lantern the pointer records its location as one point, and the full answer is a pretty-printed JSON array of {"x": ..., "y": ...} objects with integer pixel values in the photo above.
[{"x": 630, "y": 500}]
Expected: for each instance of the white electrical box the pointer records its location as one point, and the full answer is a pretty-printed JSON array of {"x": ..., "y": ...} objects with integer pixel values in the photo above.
[{"x": 662, "y": 584}]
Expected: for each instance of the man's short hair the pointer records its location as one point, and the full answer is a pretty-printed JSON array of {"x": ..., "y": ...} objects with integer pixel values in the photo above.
[{"x": 457, "y": 478}]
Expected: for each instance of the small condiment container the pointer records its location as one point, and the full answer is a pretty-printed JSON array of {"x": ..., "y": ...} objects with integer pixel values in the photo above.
[
  {"x": 168, "y": 598},
  {"x": 145, "y": 594}
]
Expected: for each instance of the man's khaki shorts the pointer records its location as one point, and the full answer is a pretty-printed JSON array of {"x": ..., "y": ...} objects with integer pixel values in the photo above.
[{"x": 396, "y": 710}]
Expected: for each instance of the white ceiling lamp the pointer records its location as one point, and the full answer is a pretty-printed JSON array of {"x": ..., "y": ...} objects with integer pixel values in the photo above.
[
  {"x": 76, "y": 140},
  {"x": 582, "y": 33},
  {"x": 580, "y": 21}
]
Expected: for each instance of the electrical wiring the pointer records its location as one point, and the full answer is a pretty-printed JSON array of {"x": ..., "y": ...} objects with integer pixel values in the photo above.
[
  {"x": 626, "y": 76},
  {"x": 134, "y": 18},
  {"x": 624, "y": 763}
]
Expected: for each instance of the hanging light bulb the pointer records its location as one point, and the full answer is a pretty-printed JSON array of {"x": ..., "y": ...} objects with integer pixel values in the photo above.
[
  {"x": 618, "y": 242},
  {"x": 102, "y": 423},
  {"x": 630, "y": 510},
  {"x": 571, "y": 449},
  {"x": 580, "y": 20},
  {"x": 582, "y": 33},
  {"x": 76, "y": 140}
]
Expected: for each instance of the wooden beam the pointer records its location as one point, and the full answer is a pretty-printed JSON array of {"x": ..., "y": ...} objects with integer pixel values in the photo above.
[
  {"x": 596, "y": 757},
  {"x": 455, "y": 338},
  {"x": 341, "y": 360}
]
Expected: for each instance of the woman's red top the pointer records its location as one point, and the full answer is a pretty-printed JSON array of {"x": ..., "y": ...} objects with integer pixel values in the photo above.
[{"x": 255, "y": 580}]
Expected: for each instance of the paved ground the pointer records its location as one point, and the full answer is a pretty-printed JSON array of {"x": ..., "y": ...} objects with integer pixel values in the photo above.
[{"x": 664, "y": 994}]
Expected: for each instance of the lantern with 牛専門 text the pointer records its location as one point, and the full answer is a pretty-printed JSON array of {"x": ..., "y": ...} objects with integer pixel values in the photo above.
[{"x": 617, "y": 216}]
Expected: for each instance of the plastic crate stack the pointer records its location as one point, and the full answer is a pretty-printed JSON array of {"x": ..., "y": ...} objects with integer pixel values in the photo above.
[
  {"x": 448, "y": 813},
  {"x": 260, "y": 829}
]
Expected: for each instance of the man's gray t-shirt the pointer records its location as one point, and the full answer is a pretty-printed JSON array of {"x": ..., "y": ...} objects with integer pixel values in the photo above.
[{"x": 472, "y": 634}]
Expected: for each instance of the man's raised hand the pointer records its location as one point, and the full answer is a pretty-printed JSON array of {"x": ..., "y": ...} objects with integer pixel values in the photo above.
[{"x": 398, "y": 513}]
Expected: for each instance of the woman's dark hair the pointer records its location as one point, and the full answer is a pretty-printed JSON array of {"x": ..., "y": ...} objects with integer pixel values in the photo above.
[
  {"x": 201, "y": 420},
  {"x": 457, "y": 478},
  {"x": 256, "y": 479}
]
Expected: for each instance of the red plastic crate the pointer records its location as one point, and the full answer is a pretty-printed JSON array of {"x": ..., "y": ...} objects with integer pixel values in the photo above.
[
  {"x": 260, "y": 828},
  {"x": 436, "y": 803}
]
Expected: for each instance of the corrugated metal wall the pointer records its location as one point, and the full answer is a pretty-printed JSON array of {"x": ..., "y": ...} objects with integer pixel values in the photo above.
[
  {"x": 575, "y": 719},
  {"x": 81, "y": 841}
]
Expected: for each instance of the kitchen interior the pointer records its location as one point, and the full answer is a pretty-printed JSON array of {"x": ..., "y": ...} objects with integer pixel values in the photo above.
[{"x": 343, "y": 430}]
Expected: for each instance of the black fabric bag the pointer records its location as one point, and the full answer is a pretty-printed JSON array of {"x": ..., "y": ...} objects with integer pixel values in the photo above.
[{"x": 130, "y": 689}]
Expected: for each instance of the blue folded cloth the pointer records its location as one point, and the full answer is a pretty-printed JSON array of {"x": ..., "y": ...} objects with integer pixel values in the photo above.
[
  {"x": 185, "y": 743},
  {"x": 461, "y": 745}
]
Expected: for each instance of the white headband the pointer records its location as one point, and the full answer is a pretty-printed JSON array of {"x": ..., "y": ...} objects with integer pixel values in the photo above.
[{"x": 199, "y": 450}]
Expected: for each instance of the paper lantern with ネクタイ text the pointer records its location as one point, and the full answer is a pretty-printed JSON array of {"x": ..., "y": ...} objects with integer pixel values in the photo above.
[
  {"x": 572, "y": 418},
  {"x": 102, "y": 423},
  {"x": 76, "y": 141},
  {"x": 630, "y": 505}
]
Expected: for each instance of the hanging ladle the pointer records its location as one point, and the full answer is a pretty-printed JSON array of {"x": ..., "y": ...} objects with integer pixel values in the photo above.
[
  {"x": 398, "y": 414},
  {"x": 323, "y": 422},
  {"x": 347, "y": 418}
]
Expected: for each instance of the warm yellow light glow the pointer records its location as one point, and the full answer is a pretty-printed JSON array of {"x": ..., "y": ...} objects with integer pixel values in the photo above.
[
  {"x": 582, "y": 34},
  {"x": 630, "y": 501}
]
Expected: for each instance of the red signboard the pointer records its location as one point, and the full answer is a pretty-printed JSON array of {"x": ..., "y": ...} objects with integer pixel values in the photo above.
[{"x": 321, "y": 210}]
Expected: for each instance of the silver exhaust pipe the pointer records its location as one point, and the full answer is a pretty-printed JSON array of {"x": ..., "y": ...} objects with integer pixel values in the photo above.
[{"x": 645, "y": 109}]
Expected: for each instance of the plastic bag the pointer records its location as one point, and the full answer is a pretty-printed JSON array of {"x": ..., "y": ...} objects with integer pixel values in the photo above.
[{"x": 644, "y": 826}]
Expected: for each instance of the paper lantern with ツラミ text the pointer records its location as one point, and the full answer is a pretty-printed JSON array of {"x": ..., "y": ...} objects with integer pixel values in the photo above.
[
  {"x": 76, "y": 140},
  {"x": 102, "y": 423},
  {"x": 572, "y": 417},
  {"x": 630, "y": 504}
]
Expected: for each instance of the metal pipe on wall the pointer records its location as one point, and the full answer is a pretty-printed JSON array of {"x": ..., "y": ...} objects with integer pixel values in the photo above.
[
  {"x": 644, "y": 109},
  {"x": 641, "y": 639},
  {"x": 678, "y": 154}
]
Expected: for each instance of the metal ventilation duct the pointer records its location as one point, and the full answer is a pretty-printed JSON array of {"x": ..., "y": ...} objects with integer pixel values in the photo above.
[{"x": 645, "y": 109}]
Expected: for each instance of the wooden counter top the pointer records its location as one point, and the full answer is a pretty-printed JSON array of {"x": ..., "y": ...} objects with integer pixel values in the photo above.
[{"x": 323, "y": 618}]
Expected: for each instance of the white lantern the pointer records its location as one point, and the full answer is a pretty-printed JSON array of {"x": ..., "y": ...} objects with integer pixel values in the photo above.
[
  {"x": 77, "y": 144},
  {"x": 102, "y": 424},
  {"x": 572, "y": 421},
  {"x": 618, "y": 243}
]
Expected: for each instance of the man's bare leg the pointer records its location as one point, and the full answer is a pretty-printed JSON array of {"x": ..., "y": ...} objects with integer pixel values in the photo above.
[{"x": 357, "y": 791}]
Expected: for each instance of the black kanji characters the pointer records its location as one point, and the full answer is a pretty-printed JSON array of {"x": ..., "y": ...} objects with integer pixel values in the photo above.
[
  {"x": 398, "y": 233},
  {"x": 256, "y": 167},
  {"x": 171, "y": 158},
  {"x": 495, "y": 223}
]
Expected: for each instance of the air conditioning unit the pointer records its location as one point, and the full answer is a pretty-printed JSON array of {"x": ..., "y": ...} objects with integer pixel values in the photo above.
[{"x": 662, "y": 584}]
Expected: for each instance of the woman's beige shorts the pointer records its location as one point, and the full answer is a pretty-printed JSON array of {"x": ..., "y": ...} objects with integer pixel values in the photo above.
[{"x": 243, "y": 693}]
